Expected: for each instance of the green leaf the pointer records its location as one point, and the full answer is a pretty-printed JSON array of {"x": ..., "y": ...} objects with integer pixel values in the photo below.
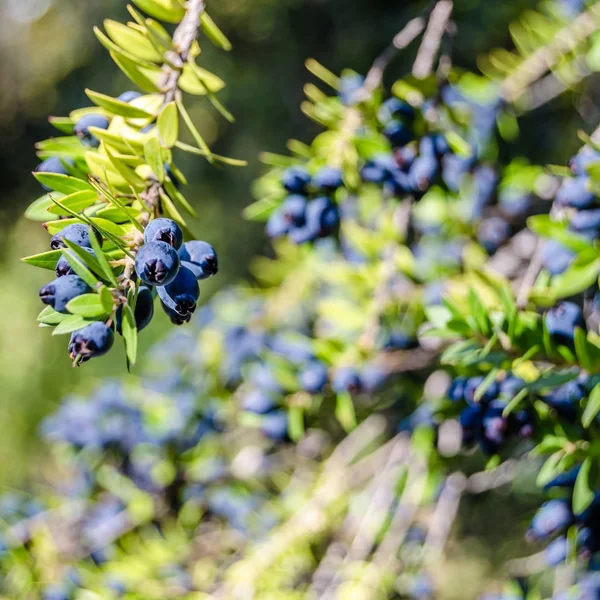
[
  {"x": 77, "y": 202},
  {"x": 138, "y": 75},
  {"x": 91, "y": 262},
  {"x": 38, "y": 209},
  {"x": 62, "y": 183},
  {"x": 169, "y": 11},
  {"x": 153, "y": 155},
  {"x": 592, "y": 407},
  {"x": 103, "y": 262},
  {"x": 575, "y": 279},
  {"x": 77, "y": 266},
  {"x": 233, "y": 162},
  {"x": 344, "y": 411},
  {"x": 63, "y": 124},
  {"x": 190, "y": 125},
  {"x": 129, "y": 333},
  {"x": 583, "y": 494},
  {"x": 458, "y": 144},
  {"x": 117, "y": 107},
  {"x": 87, "y": 305},
  {"x": 176, "y": 195},
  {"x": 582, "y": 349},
  {"x": 49, "y": 316},
  {"x": 45, "y": 260},
  {"x": 132, "y": 41},
  {"x": 296, "y": 423},
  {"x": 107, "y": 299},
  {"x": 213, "y": 33},
  {"x": 549, "y": 469},
  {"x": 72, "y": 323},
  {"x": 168, "y": 125},
  {"x": 262, "y": 209},
  {"x": 515, "y": 402},
  {"x": 129, "y": 175}
]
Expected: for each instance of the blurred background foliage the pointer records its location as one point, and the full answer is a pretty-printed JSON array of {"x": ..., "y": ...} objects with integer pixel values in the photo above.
[{"x": 49, "y": 55}]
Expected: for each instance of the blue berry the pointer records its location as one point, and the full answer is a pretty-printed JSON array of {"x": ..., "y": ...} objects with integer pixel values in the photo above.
[
  {"x": 456, "y": 391},
  {"x": 128, "y": 96},
  {"x": 164, "y": 230},
  {"x": 258, "y": 402},
  {"x": 493, "y": 233},
  {"x": 181, "y": 294},
  {"x": 552, "y": 517},
  {"x": 143, "y": 312},
  {"x": 63, "y": 266},
  {"x": 275, "y": 425},
  {"x": 77, "y": 233},
  {"x": 289, "y": 215},
  {"x": 200, "y": 258},
  {"x": 585, "y": 157},
  {"x": 575, "y": 192},
  {"x": 565, "y": 398},
  {"x": 94, "y": 340},
  {"x": 586, "y": 221},
  {"x": 295, "y": 180},
  {"x": 471, "y": 386},
  {"x": 157, "y": 263},
  {"x": 322, "y": 219},
  {"x": 61, "y": 291},
  {"x": 328, "y": 179},
  {"x": 398, "y": 133},
  {"x": 373, "y": 377},
  {"x": 313, "y": 377},
  {"x": 346, "y": 379},
  {"x": 54, "y": 164},
  {"x": 82, "y": 128},
  {"x": 556, "y": 257},
  {"x": 434, "y": 145},
  {"x": 561, "y": 321},
  {"x": 374, "y": 173},
  {"x": 393, "y": 108},
  {"x": 422, "y": 173},
  {"x": 566, "y": 479}
]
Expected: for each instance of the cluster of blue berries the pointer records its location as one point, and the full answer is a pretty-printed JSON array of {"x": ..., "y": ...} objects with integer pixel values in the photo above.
[
  {"x": 164, "y": 264},
  {"x": 555, "y": 516},
  {"x": 482, "y": 419},
  {"x": 308, "y": 212},
  {"x": 577, "y": 200}
]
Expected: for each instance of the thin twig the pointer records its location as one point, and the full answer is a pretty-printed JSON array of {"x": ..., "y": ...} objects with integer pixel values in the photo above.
[
  {"x": 183, "y": 38},
  {"x": 432, "y": 39}
]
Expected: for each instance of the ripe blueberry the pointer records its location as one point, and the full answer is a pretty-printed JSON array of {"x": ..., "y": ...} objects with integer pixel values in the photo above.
[
  {"x": 94, "y": 340},
  {"x": 313, "y": 377},
  {"x": 561, "y": 321},
  {"x": 200, "y": 258},
  {"x": 61, "y": 291},
  {"x": 556, "y": 257},
  {"x": 393, "y": 108},
  {"x": 275, "y": 425},
  {"x": 289, "y": 215},
  {"x": 585, "y": 221},
  {"x": 82, "y": 128},
  {"x": 157, "y": 263},
  {"x": 54, "y": 164},
  {"x": 552, "y": 517},
  {"x": 77, "y": 233},
  {"x": 258, "y": 402},
  {"x": 435, "y": 145},
  {"x": 164, "y": 230},
  {"x": 129, "y": 96},
  {"x": 181, "y": 294},
  {"x": 322, "y": 219},
  {"x": 295, "y": 180},
  {"x": 328, "y": 179},
  {"x": 398, "y": 133},
  {"x": 422, "y": 173},
  {"x": 144, "y": 309},
  {"x": 493, "y": 233},
  {"x": 575, "y": 192},
  {"x": 63, "y": 267},
  {"x": 346, "y": 379}
]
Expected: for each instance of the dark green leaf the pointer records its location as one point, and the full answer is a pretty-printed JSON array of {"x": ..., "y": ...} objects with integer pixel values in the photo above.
[
  {"x": 592, "y": 407},
  {"x": 45, "y": 260},
  {"x": 583, "y": 493}
]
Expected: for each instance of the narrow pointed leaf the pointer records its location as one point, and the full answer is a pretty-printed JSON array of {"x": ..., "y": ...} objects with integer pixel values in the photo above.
[
  {"x": 45, "y": 260},
  {"x": 62, "y": 183},
  {"x": 117, "y": 107},
  {"x": 89, "y": 306},
  {"x": 168, "y": 125}
]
